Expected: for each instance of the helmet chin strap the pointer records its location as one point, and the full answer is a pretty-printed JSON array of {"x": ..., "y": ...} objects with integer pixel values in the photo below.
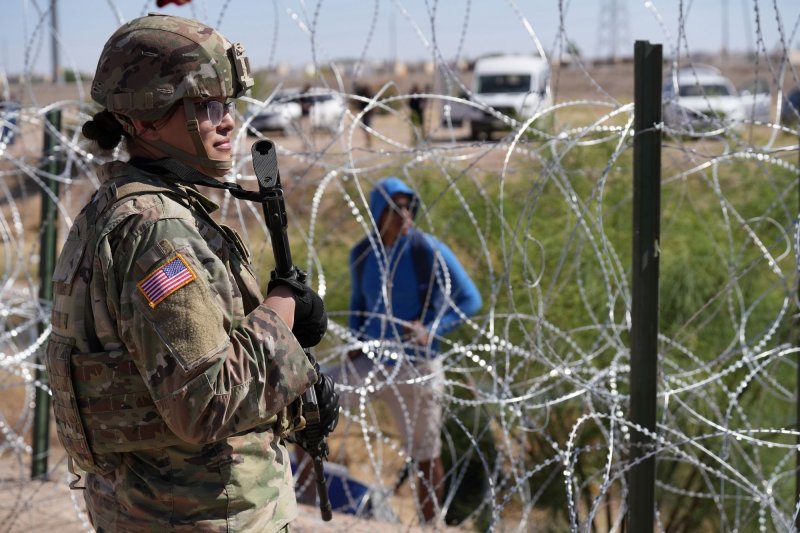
[{"x": 201, "y": 157}]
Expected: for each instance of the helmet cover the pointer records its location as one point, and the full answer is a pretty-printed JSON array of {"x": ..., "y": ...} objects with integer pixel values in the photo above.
[{"x": 153, "y": 62}]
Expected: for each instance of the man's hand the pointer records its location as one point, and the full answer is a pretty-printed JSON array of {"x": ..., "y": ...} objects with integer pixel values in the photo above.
[
  {"x": 310, "y": 318},
  {"x": 417, "y": 333}
]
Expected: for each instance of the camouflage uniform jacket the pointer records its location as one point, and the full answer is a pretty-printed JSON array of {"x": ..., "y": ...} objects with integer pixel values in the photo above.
[{"x": 168, "y": 373}]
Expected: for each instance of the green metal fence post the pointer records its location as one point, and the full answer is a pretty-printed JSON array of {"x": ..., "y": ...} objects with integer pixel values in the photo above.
[
  {"x": 47, "y": 253},
  {"x": 644, "y": 304},
  {"x": 796, "y": 342}
]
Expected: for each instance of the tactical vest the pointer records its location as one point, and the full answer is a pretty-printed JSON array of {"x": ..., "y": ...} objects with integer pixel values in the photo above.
[{"x": 101, "y": 404}]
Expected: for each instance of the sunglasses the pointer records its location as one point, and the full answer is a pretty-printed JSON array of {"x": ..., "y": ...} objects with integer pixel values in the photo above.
[
  {"x": 214, "y": 110},
  {"x": 404, "y": 204}
]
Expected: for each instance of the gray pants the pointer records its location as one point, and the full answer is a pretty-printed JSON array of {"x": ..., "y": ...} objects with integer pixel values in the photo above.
[{"x": 413, "y": 393}]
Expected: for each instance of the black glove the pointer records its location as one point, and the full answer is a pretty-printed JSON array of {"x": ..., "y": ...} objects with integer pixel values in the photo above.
[
  {"x": 328, "y": 400},
  {"x": 310, "y": 318},
  {"x": 312, "y": 438}
]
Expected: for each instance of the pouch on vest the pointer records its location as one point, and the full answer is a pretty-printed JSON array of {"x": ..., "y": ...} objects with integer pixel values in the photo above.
[
  {"x": 70, "y": 425},
  {"x": 71, "y": 430}
]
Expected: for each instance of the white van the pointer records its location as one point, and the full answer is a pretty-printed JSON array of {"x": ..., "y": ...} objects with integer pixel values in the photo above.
[{"x": 516, "y": 86}]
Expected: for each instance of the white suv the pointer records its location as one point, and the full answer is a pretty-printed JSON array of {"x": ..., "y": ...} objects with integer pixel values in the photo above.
[
  {"x": 700, "y": 98},
  {"x": 281, "y": 114},
  {"x": 326, "y": 108}
]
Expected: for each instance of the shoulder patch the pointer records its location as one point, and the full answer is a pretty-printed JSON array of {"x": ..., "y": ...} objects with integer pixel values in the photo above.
[{"x": 173, "y": 274}]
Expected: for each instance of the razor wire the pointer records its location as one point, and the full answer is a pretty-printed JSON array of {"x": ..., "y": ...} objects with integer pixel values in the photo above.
[{"x": 536, "y": 424}]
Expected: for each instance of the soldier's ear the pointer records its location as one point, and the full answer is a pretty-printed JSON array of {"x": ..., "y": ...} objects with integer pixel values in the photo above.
[{"x": 145, "y": 129}]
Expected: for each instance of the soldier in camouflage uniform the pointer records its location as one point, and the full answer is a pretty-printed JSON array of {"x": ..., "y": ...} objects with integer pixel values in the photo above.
[{"x": 173, "y": 380}]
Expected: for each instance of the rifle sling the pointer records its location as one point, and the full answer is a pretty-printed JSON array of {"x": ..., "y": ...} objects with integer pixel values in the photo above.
[{"x": 185, "y": 174}]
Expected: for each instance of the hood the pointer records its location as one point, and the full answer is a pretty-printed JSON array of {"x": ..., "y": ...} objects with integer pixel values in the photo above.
[{"x": 382, "y": 193}]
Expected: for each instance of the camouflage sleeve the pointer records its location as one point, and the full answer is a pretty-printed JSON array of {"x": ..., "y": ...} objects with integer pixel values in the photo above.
[{"x": 210, "y": 374}]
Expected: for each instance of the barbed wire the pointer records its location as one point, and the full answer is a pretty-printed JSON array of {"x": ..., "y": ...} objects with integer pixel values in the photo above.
[{"x": 536, "y": 425}]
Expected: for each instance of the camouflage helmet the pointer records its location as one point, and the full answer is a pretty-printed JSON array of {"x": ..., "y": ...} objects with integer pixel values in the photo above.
[{"x": 153, "y": 62}]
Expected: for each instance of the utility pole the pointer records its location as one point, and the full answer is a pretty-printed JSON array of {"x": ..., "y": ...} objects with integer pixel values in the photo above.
[
  {"x": 58, "y": 78},
  {"x": 392, "y": 41},
  {"x": 748, "y": 32},
  {"x": 725, "y": 11},
  {"x": 613, "y": 32}
]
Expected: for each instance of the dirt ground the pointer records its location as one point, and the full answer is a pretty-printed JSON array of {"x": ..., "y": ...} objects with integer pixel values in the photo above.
[{"x": 44, "y": 506}]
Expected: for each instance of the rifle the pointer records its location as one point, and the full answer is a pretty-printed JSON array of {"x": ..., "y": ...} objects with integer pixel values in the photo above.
[{"x": 265, "y": 165}]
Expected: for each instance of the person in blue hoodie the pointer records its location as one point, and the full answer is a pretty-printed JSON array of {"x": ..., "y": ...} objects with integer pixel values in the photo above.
[{"x": 408, "y": 289}]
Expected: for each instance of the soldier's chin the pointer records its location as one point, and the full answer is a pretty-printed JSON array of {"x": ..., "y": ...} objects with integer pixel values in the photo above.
[
  {"x": 212, "y": 172},
  {"x": 217, "y": 172}
]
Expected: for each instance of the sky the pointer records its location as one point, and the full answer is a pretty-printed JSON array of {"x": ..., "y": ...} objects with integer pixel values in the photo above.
[{"x": 297, "y": 32}]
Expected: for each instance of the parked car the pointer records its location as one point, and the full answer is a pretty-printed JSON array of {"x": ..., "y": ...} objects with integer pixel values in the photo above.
[
  {"x": 757, "y": 100},
  {"x": 325, "y": 110},
  {"x": 281, "y": 114},
  {"x": 700, "y": 98},
  {"x": 790, "y": 111},
  {"x": 513, "y": 85}
]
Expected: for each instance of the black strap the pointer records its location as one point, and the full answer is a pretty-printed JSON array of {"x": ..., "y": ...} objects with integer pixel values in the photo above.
[{"x": 186, "y": 174}]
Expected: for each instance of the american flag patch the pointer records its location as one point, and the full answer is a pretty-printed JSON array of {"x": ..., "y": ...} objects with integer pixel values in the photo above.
[{"x": 165, "y": 280}]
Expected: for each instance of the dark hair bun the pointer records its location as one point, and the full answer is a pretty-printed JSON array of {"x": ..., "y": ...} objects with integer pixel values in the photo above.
[{"x": 105, "y": 129}]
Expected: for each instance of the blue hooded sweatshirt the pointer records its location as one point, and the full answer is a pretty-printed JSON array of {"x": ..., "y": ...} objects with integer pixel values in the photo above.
[{"x": 386, "y": 290}]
